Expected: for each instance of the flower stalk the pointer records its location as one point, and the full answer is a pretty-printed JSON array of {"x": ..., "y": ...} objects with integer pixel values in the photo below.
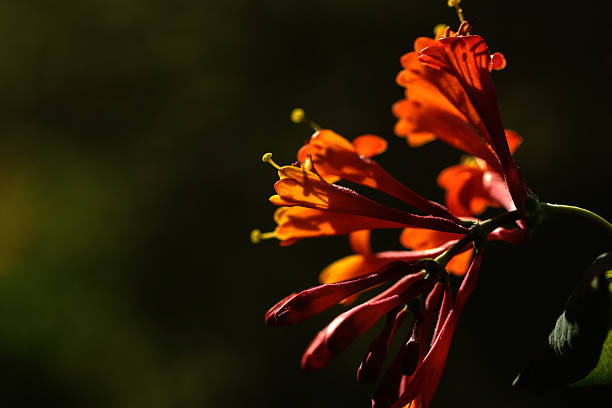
[{"x": 559, "y": 210}]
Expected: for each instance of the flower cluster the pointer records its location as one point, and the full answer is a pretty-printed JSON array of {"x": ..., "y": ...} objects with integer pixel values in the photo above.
[{"x": 449, "y": 96}]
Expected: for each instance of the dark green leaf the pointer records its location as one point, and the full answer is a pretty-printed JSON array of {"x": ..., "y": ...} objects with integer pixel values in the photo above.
[{"x": 574, "y": 346}]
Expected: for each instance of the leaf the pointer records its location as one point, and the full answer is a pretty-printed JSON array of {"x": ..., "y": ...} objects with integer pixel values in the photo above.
[
  {"x": 574, "y": 347},
  {"x": 602, "y": 374}
]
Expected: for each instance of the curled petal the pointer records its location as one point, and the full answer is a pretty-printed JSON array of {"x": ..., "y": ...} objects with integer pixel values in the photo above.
[
  {"x": 466, "y": 193},
  {"x": 369, "y": 145},
  {"x": 498, "y": 62}
]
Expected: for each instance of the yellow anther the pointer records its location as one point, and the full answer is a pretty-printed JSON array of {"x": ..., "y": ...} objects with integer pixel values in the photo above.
[
  {"x": 469, "y": 161},
  {"x": 455, "y": 4},
  {"x": 307, "y": 164},
  {"x": 267, "y": 158},
  {"x": 297, "y": 115},
  {"x": 439, "y": 30},
  {"x": 257, "y": 236}
]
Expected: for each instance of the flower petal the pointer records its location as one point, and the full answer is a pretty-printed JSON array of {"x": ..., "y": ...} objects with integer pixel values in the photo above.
[
  {"x": 360, "y": 242},
  {"x": 296, "y": 223},
  {"x": 468, "y": 59},
  {"x": 336, "y": 158},
  {"x": 316, "y": 355},
  {"x": 303, "y": 188},
  {"x": 353, "y": 266},
  {"x": 373, "y": 361},
  {"x": 369, "y": 145},
  {"x": 344, "y": 329},
  {"x": 436, "y": 103},
  {"x": 422, "y": 385},
  {"x": 466, "y": 192}
]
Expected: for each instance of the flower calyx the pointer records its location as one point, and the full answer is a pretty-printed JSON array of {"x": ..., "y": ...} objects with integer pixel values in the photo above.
[
  {"x": 433, "y": 268},
  {"x": 535, "y": 212}
]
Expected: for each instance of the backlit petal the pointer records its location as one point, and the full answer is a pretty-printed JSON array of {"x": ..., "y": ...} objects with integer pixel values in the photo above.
[
  {"x": 336, "y": 158},
  {"x": 369, "y": 145},
  {"x": 468, "y": 59},
  {"x": 300, "y": 222},
  {"x": 303, "y": 188}
]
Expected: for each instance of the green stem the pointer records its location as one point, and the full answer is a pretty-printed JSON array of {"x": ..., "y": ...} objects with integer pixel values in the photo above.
[
  {"x": 553, "y": 210},
  {"x": 478, "y": 232}
]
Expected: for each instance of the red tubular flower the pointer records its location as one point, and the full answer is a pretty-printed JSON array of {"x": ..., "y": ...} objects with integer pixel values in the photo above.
[
  {"x": 419, "y": 388},
  {"x": 336, "y": 158},
  {"x": 344, "y": 329},
  {"x": 295, "y": 223},
  {"x": 297, "y": 307},
  {"x": 301, "y": 187},
  {"x": 450, "y": 96}
]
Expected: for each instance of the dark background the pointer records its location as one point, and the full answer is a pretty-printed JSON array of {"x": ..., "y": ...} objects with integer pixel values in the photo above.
[{"x": 130, "y": 176}]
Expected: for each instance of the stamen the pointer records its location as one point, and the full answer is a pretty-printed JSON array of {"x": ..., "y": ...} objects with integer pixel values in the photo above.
[
  {"x": 267, "y": 158},
  {"x": 455, "y": 4},
  {"x": 440, "y": 30},
  {"x": 308, "y": 163},
  {"x": 257, "y": 236},
  {"x": 469, "y": 161},
  {"x": 298, "y": 116}
]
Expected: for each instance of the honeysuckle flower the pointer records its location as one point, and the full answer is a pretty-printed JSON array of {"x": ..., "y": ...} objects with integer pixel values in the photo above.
[
  {"x": 450, "y": 96},
  {"x": 473, "y": 185},
  {"x": 304, "y": 187},
  {"x": 336, "y": 158}
]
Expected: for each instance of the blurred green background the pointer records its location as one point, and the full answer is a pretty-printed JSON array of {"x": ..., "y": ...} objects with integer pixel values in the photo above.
[{"x": 130, "y": 177}]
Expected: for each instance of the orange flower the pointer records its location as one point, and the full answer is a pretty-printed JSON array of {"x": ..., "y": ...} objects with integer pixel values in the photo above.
[
  {"x": 304, "y": 187},
  {"x": 336, "y": 158},
  {"x": 450, "y": 96},
  {"x": 473, "y": 185}
]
